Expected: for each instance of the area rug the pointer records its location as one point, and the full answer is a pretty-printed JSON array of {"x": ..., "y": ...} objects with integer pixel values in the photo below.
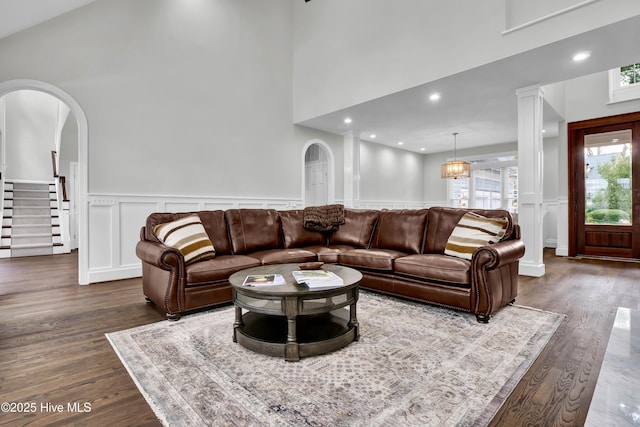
[{"x": 415, "y": 364}]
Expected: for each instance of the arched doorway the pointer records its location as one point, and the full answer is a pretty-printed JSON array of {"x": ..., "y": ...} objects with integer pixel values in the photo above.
[
  {"x": 82, "y": 176},
  {"x": 318, "y": 174}
]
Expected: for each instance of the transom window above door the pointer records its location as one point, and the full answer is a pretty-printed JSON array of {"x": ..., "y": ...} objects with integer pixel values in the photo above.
[{"x": 624, "y": 83}]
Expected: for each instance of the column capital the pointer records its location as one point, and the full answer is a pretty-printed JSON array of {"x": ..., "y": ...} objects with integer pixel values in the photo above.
[{"x": 530, "y": 90}]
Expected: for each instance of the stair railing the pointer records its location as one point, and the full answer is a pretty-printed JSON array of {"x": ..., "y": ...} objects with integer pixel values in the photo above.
[
  {"x": 54, "y": 163},
  {"x": 62, "y": 202},
  {"x": 1, "y": 203}
]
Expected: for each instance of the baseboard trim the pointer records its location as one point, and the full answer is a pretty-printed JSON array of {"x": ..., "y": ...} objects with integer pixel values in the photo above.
[
  {"x": 107, "y": 275},
  {"x": 531, "y": 270}
]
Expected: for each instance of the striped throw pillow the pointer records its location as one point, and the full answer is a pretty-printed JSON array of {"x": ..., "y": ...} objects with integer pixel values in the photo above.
[
  {"x": 188, "y": 236},
  {"x": 473, "y": 231}
]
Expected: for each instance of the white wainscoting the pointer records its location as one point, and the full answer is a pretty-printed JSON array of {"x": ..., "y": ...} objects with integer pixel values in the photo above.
[
  {"x": 556, "y": 225},
  {"x": 115, "y": 222},
  {"x": 386, "y": 204},
  {"x": 549, "y": 223},
  {"x": 562, "y": 233}
]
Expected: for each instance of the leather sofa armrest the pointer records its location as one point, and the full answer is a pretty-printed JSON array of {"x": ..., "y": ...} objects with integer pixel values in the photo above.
[
  {"x": 498, "y": 254},
  {"x": 159, "y": 255},
  {"x": 494, "y": 277},
  {"x": 163, "y": 278}
]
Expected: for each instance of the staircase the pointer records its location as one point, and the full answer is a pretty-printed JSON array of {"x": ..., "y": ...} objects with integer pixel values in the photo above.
[{"x": 30, "y": 221}]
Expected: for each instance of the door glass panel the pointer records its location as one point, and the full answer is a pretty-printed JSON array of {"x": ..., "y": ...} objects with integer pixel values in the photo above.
[{"x": 607, "y": 175}]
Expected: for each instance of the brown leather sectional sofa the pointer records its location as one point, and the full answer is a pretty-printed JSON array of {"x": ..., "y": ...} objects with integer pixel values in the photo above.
[{"x": 399, "y": 252}]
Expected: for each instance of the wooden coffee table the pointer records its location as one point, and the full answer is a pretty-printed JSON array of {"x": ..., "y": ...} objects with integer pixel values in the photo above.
[{"x": 291, "y": 320}]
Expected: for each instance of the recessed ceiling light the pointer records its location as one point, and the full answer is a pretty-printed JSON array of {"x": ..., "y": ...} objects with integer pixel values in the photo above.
[
  {"x": 400, "y": 143},
  {"x": 544, "y": 131},
  {"x": 372, "y": 136},
  {"x": 347, "y": 120},
  {"x": 434, "y": 96},
  {"x": 423, "y": 149},
  {"x": 581, "y": 56}
]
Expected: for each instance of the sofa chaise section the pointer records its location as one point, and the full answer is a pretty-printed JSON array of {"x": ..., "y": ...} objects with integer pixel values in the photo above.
[{"x": 481, "y": 285}]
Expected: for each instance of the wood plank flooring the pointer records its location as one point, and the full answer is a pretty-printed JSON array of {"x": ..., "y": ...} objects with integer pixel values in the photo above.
[{"x": 53, "y": 350}]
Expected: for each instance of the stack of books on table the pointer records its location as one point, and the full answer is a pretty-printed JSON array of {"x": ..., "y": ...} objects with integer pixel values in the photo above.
[
  {"x": 263, "y": 280},
  {"x": 317, "y": 278}
]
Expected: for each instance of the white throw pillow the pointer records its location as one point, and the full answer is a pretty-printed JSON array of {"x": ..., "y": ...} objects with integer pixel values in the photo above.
[
  {"x": 474, "y": 231},
  {"x": 188, "y": 236}
]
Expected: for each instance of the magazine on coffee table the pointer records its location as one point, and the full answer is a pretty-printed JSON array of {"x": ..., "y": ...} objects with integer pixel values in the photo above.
[
  {"x": 317, "y": 278},
  {"x": 263, "y": 280}
]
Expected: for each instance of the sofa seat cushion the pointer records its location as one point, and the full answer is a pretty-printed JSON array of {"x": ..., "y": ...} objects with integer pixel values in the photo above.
[
  {"x": 435, "y": 267},
  {"x": 283, "y": 256},
  {"x": 329, "y": 253},
  {"x": 218, "y": 268},
  {"x": 370, "y": 259}
]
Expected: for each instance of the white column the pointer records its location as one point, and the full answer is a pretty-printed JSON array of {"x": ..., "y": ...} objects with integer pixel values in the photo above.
[
  {"x": 351, "y": 169},
  {"x": 530, "y": 184}
]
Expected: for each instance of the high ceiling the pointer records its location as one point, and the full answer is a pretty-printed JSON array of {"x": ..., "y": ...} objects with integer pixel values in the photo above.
[
  {"x": 480, "y": 104},
  {"x": 17, "y": 15}
]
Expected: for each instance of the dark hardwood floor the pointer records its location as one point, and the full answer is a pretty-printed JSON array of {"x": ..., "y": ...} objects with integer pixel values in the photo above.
[{"x": 53, "y": 350}]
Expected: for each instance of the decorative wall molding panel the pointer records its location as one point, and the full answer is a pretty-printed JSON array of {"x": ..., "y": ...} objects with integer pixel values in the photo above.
[{"x": 115, "y": 222}]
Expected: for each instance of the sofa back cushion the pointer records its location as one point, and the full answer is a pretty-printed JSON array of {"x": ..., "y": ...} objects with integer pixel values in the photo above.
[
  {"x": 441, "y": 221},
  {"x": 294, "y": 233},
  {"x": 401, "y": 230},
  {"x": 252, "y": 230},
  {"x": 357, "y": 229},
  {"x": 213, "y": 221}
]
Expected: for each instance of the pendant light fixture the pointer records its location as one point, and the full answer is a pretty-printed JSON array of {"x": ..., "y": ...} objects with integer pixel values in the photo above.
[{"x": 455, "y": 169}]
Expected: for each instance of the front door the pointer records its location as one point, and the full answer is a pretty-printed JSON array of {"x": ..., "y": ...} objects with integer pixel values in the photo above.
[{"x": 604, "y": 183}]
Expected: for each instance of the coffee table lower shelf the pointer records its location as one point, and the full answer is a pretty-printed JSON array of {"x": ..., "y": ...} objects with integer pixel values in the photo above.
[{"x": 316, "y": 334}]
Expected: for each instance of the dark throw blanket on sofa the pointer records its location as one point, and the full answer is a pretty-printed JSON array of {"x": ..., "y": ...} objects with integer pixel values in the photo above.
[{"x": 324, "y": 219}]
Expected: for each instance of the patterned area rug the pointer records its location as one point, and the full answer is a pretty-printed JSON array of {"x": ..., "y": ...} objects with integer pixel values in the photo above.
[{"x": 415, "y": 364}]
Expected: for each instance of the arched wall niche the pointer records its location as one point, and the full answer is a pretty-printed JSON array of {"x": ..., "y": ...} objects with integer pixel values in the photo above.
[{"x": 318, "y": 173}]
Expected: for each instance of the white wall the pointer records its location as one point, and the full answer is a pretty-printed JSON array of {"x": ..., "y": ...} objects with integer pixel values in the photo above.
[
  {"x": 184, "y": 94},
  {"x": 30, "y": 134},
  {"x": 183, "y": 99},
  {"x": 68, "y": 146},
  {"x": 390, "y": 174},
  {"x": 343, "y": 54},
  {"x": 588, "y": 98}
]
